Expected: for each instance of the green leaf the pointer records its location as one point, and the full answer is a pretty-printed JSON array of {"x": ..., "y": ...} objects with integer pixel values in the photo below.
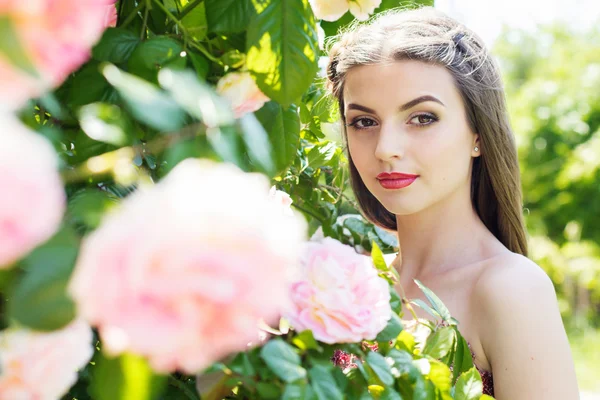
[
  {"x": 382, "y": 369},
  {"x": 420, "y": 303},
  {"x": 124, "y": 378},
  {"x": 306, "y": 341},
  {"x": 8, "y": 275},
  {"x": 324, "y": 384},
  {"x": 234, "y": 59},
  {"x": 195, "y": 22},
  {"x": 463, "y": 360},
  {"x": 390, "y": 394},
  {"x": 225, "y": 16},
  {"x": 88, "y": 206},
  {"x": 147, "y": 103},
  {"x": 152, "y": 55},
  {"x": 403, "y": 361},
  {"x": 282, "y": 48},
  {"x": 282, "y": 360},
  {"x": 440, "y": 342},
  {"x": 242, "y": 365},
  {"x": 435, "y": 301},
  {"x": 298, "y": 391},
  {"x": 320, "y": 154},
  {"x": 283, "y": 127},
  {"x": 200, "y": 63},
  {"x": 39, "y": 300},
  {"x": 228, "y": 145},
  {"x": 11, "y": 48},
  {"x": 158, "y": 18},
  {"x": 257, "y": 144},
  {"x": 388, "y": 238},
  {"x": 406, "y": 341},
  {"x": 469, "y": 386},
  {"x": 441, "y": 376},
  {"x": 104, "y": 123},
  {"x": 357, "y": 227},
  {"x": 378, "y": 259},
  {"x": 392, "y": 329},
  {"x": 268, "y": 390},
  {"x": 116, "y": 45},
  {"x": 196, "y": 97},
  {"x": 395, "y": 301},
  {"x": 96, "y": 86}
]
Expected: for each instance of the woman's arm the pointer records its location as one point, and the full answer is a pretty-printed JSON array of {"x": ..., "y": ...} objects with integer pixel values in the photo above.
[{"x": 522, "y": 333}]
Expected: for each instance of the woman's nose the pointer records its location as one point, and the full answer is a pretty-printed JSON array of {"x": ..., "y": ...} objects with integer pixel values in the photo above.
[{"x": 391, "y": 142}]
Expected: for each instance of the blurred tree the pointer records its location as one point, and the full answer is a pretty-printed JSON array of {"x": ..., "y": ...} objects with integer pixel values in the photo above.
[{"x": 552, "y": 79}]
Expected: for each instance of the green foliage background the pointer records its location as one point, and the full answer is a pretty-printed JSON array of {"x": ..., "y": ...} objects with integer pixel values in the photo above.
[{"x": 552, "y": 78}]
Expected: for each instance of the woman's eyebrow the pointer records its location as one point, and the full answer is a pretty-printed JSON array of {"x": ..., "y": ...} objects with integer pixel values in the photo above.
[{"x": 410, "y": 104}]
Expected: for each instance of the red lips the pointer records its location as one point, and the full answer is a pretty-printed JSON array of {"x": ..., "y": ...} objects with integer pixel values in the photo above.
[
  {"x": 395, "y": 180},
  {"x": 396, "y": 175}
]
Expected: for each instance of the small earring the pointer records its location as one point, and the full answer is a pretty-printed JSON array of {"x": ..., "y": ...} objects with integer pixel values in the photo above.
[{"x": 476, "y": 148}]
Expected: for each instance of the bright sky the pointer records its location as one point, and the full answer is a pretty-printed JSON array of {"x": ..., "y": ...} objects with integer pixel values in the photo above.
[{"x": 486, "y": 17}]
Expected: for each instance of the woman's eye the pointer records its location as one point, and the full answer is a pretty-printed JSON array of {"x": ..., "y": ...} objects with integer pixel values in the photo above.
[
  {"x": 424, "y": 119},
  {"x": 362, "y": 123}
]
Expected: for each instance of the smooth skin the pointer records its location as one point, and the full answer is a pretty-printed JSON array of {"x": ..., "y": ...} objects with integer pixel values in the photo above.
[{"x": 506, "y": 304}]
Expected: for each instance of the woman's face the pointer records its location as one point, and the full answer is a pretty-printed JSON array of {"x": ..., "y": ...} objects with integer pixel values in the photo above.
[{"x": 391, "y": 131}]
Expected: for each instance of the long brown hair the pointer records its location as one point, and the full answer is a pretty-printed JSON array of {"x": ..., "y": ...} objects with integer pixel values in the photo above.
[{"x": 428, "y": 35}]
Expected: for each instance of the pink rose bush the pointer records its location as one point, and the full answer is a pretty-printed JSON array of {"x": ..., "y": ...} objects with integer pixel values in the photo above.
[
  {"x": 55, "y": 36},
  {"x": 42, "y": 365},
  {"x": 182, "y": 273},
  {"x": 332, "y": 10},
  {"x": 340, "y": 296},
  {"x": 33, "y": 200},
  {"x": 242, "y": 93}
]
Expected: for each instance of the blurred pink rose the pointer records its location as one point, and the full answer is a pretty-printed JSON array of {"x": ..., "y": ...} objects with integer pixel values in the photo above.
[
  {"x": 184, "y": 270},
  {"x": 340, "y": 297},
  {"x": 332, "y": 10},
  {"x": 42, "y": 365},
  {"x": 33, "y": 200},
  {"x": 282, "y": 200},
  {"x": 110, "y": 16},
  {"x": 56, "y": 36},
  {"x": 241, "y": 91}
]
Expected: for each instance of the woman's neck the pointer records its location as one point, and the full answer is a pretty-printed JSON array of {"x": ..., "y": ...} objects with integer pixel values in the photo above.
[{"x": 445, "y": 236}]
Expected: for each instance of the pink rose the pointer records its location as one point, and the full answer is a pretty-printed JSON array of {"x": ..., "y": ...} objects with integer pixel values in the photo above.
[
  {"x": 182, "y": 273},
  {"x": 340, "y": 297},
  {"x": 332, "y": 10},
  {"x": 56, "y": 36},
  {"x": 33, "y": 200},
  {"x": 242, "y": 93},
  {"x": 110, "y": 14},
  {"x": 282, "y": 200},
  {"x": 42, "y": 365}
]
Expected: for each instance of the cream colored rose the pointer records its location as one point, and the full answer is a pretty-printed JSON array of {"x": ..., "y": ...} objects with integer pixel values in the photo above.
[
  {"x": 332, "y": 10},
  {"x": 242, "y": 93},
  {"x": 361, "y": 9},
  {"x": 42, "y": 365}
]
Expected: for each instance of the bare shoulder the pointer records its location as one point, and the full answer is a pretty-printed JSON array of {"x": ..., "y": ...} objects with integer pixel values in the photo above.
[
  {"x": 521, "y": 331},
  {"x": 512, "y": 278},
  {"x": 511, "y": 291}
]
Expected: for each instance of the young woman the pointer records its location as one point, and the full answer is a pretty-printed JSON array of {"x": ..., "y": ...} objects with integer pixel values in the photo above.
[{"x": 433, "y": 158}]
